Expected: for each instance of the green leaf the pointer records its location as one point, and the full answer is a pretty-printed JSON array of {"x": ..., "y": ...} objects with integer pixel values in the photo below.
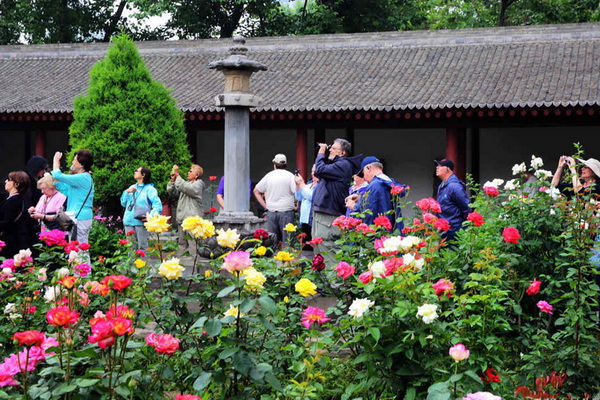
[
  {"x": 268, "y": 304},
  {"x": 226, "y": 291},
  {"x": 123, "y": 390},
  {"x": 199, "y": 323},
  {"x": 258, "y": 372},
  {"x": 439, "y": 391},
  {"x": 455, "y": 378},
  {"x": 202, "y": 381},
  {"x": 247, "y": 305},
  {"x": 411, "y": 394},
  {"x": 85, "y": 382},
  {"x": 476, "y": 378},
  {"x": 167, "y": 373},
  {"x": 375, "y": 333},
  {"x": 4, "y": 395},
  {"x": 213, "y": 327},
  {"x": 242, "y": 362},
  {"x": 63, "y": 388},
  {"x": 273, "y": 381},
  {"x": 228, "y": 352},
  {"x": 52, "y": 370}
]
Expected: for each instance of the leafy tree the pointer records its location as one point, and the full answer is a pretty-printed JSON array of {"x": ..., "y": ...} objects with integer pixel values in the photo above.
[{"x": 127, "y": 119}]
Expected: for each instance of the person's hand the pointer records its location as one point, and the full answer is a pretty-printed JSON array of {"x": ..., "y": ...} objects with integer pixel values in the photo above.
[
  {"x": 351, "y": 201},
  {"x": 31, "y": 210},
  {"x": 175, "y": 170},
  {"x": 298, "y": 179},
  {"x": 56, "y": 160},
  {"x": 322, "y": 148},
  {"x": 570, "y": 161},
  {"x": 131, "y": 189}
]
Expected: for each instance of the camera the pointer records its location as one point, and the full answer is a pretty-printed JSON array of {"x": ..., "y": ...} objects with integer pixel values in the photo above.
[
  {"x": 327, "y": 149},
  {"x": 296, "y": 171}
]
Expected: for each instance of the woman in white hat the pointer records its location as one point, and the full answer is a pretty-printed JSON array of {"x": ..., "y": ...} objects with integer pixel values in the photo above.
[{"x": 587, "y": 183}]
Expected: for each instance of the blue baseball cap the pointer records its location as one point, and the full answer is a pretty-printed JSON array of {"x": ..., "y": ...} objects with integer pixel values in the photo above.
[
  {"x": 446, "y": 162},
  {"x": 368, "y": 160}
]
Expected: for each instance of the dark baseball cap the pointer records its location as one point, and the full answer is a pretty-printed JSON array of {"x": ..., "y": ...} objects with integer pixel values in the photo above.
[
  {"x": 368, "y": 160},
  {"x": 446, "y": 162}
]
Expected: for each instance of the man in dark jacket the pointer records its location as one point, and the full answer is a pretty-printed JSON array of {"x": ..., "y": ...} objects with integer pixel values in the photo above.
[
  {"x": 334, "y": 173},
  {"x": 378, "y": 198},
  {"x": 452, "y": 196},
  {"x": 36, "y": 167}
]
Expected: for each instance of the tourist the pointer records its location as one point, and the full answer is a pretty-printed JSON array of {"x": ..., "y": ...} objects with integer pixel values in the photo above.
[
  {"x": 36, "y": 167},
  {"x": 304, "y": 194},
  {"x": 358, "y": 187},
  {"x": 139, "y": 200},
  {"x": 334, "y": 172},
  {"x": 51, "y": 202},
  {"x": 78, "y": 186},
  {"x": 275, "y": 193},
  {"x": 377, "y": 199},
  {"x": 220, "y": 194},
  {"x": 585, "y": 184},
  {"x": 452, "y": 196},
  {"x": 16, "y": 228},
  {"x": 189, "y": 202}
]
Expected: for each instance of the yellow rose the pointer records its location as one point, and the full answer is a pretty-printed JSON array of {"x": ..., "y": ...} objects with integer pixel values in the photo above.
[
  {"x": 207, "y": 273},
  {"x": 198, "y": 227},
  {"x": 140, "y": 263},
  {"x": 228, "y": 238},
  {"x": 305, "y": 287},
  {"x": 157, "y": 223},
  {"x": 260, "y": 251},
  {"x": 254, "y": 279},
  {"x": 171, "y": 269},
  {"x": 284, "y": 256},
  {"x": 290, "y": 228},
  {"x": 286, "y": 299},
  {"x": 233, "y": 312}
]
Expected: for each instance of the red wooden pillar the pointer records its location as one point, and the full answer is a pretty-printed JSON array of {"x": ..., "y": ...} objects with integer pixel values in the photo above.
[
  {"x": 456, "y": 150},
  {"x": 301, "y": 143},
  {"x": 40, "y": 142}
]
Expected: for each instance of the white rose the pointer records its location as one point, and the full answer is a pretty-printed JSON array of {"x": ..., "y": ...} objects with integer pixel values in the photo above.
[
  {"x": 498, "y": 182},
  {"x": 490, "y": 184},
  {"x": 542, "y": 174},
  {"x": 519, "y": 168},
  {"x": 427, "y": 312},
  {"x": 25, "y": 253},
  {"x": 378, "y": 269},
  {"x": 511, "y": 185},
  {"x": 554, "y": 193},
  {"x": 10, "y": 308},
  {"x": 419, "y": 263},
  {"x": 42, "y": 274},
  {"x": 359, "y": 307},
  {"x": 73, "y": 256},
  {"x": 391, "y": 244},
  {"x": 408, "y": 243},
  {"x": 52, "y": 292},
  {"x": 62, "y": 272},
  {"x": 15, "y": 316},
  {"x": 7, "y": 271},
  {"x": 536, "y": 162}
]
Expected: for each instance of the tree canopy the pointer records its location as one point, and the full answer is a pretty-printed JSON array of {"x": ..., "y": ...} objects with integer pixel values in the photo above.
[
  {"x": 52, "y": 21},
  {"x": 127, "y": 120}
]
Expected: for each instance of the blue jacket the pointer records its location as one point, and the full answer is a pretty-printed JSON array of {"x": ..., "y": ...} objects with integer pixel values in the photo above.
[
  {"x": 453, "y": 199},
  {"x": 76, "y": 187},
  {"x": 335, "y": 177},
  {"x": 146, "y": 194},
  {"x": 378, "y": 199}
]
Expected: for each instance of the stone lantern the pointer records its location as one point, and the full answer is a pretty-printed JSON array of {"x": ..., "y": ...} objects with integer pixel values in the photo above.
[{"x": 237, "y": 100}]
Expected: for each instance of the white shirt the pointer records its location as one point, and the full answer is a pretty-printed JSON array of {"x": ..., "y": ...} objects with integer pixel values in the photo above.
[{"x": 279, "y": 188}]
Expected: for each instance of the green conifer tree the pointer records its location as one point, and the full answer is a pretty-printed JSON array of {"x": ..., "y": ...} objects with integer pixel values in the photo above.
[{"x": 127, "y": 119}]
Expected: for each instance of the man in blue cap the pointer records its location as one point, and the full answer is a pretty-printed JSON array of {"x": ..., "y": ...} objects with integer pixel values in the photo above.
[
  {"x": 378, "y": 198},
  {"x": 452, "y": 196}
]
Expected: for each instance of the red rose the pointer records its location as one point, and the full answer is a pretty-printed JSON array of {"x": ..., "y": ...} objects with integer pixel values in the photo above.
[
  {"x": 212, "y": 178},
  {"x": 30, "y": 338},
  {"x": 129, "y": 233},
  {"x": 443, "y": 286},
  {"x": 213, "y": 209},
  {"x": 511, "y": 235},
  {"x": 383, "y": 221},
  {"x": 429, "y": 218},
  {"x": 140, "y": 253},
  {"x": 534, "y": 287},
  {"x": 491, "y": 191},
  {"x": 187, "y": 397},
  {"x": 261, "y": 234},
  {"x": 475, "y": 218},
  {"x": 490, "y": 375},
  {"x": 318, "y": 263},
  {"x": 396, "y": 190},
  {"x": 441, "y": 224},
  {"x": 84, "y": 246},
  {"x": 116, "y": 282},
  {"x": 123, "y": 242}
]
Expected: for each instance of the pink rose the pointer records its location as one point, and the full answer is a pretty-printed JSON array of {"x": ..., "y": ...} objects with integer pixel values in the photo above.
[
  {"x": 444, "y": 286},
  {"x": 429, "y": 204},
  {"x": 475, "y": 218},
  {"x": 237, "y": 261},
  {"x": 481, "y": 396},
  {"x": 544, "y": 306},
  {"x": 187, "y": 396},
  {"x": 164, "y": 344},
  {"x": 366, "y": 277},
  {"x": 344, "y": 270},
  {"x": 441, "y": 225},
  {"x": 491, "y": 191},
  {"x": 83, "y": 269},
  {"x": 459, "y": 352},
  {"x": 429, "y": 218},
  {"x": 53, "y": 237}
]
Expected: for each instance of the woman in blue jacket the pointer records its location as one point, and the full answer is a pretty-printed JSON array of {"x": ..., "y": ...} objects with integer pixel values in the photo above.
[{"x": 140, "y": 199}]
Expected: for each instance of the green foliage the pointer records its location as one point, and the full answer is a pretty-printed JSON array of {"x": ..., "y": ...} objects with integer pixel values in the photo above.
[{"x": 126, "y": 120}]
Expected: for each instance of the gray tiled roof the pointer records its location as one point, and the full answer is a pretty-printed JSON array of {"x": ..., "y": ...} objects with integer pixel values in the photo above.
[{"x": 556, "y": 65}]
